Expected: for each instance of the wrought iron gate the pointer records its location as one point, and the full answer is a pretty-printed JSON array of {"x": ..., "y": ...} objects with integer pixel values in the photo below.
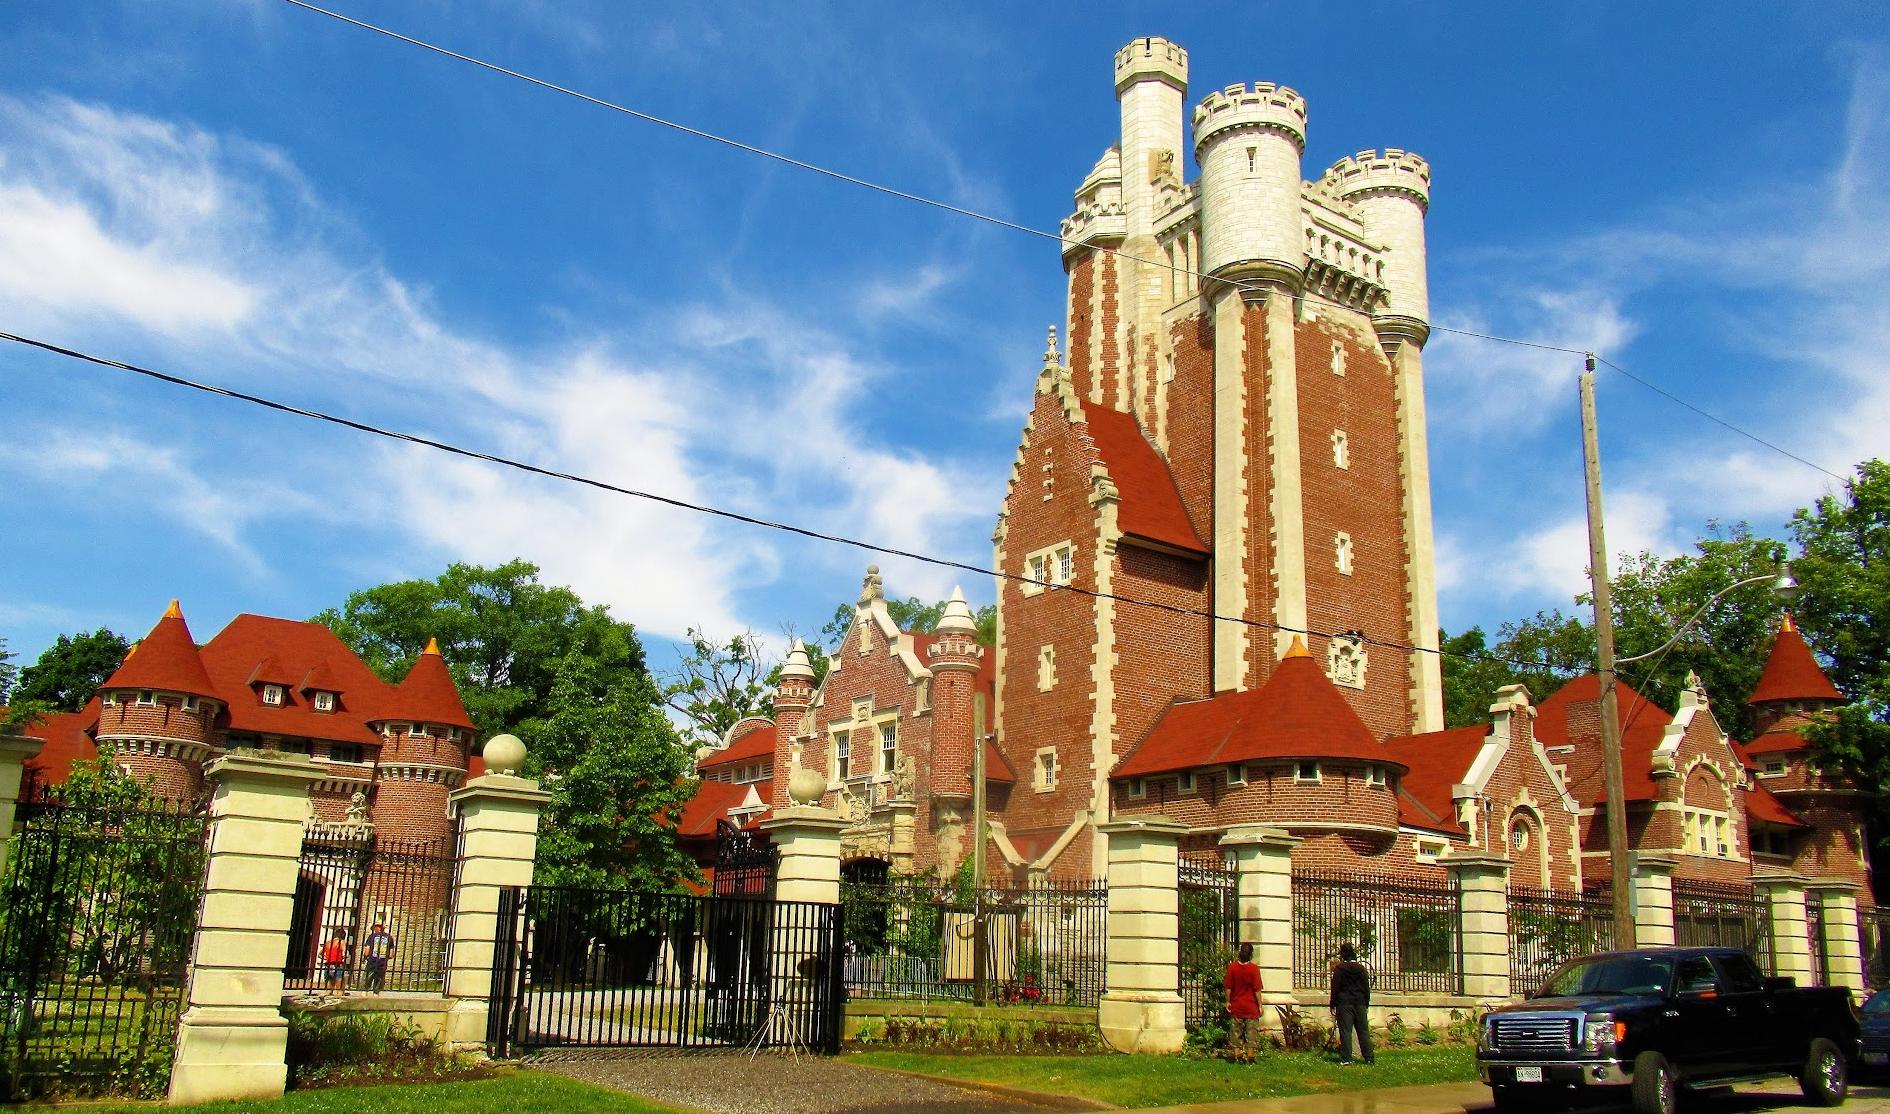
[
  {"x": 593, "y": 968},
  {"x": 1210, "y": 930},
  {"x": 97, "y": 909}
]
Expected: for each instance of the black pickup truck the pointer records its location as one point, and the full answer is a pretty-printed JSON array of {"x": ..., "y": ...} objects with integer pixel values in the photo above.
[{"x": 1659, "y": 1020}]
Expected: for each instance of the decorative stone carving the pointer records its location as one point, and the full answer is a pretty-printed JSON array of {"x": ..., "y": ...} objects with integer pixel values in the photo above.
[
  {"x": 358, "y": 808},
  {"x": 904, "y": 773},
  {"x": 1345, "y": 660}
]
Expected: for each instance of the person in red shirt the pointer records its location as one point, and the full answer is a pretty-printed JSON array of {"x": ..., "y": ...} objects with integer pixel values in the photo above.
[
  {"x": 1243, "y": 1003},
  {"x": 335, "y": 963}
]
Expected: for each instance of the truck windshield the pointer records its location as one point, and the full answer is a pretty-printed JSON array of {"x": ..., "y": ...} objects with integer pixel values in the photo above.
[{"x": 1627, "y": 974}]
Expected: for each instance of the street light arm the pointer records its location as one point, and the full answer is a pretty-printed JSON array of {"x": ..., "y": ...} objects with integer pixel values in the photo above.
[{"x": 1697, "y": 616}]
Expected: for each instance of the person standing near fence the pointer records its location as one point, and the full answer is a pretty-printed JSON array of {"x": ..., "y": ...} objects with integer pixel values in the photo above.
[
  {"x": 1351, "y": 1001},
  {"x": 335, "y": 963},
  {"x": 379, "y": 950},
  {"x": 1242, "y": 983}
]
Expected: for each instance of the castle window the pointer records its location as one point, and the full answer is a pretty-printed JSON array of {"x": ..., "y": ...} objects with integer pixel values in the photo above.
[
  {"x": 1342, "y": 553},
  {"x": 1773, "y": 768},
  {"x": 1237, "y": 775},
  {"x": 417, "y": 729},
  {"x": 1051, "y": 565},
  {"x": 1519, "y": 836},
  {"x": 1374, "y": 775},
  {"x": 1341, "y": 451},
  {"x": 1306, "y": 771},
  {"x": 1184, "y": 782},
  {"x": 147, "y": 697},
  {"x": 324, "y": 701},
  {"x": 1338, "y": 358},
  {"x": 888, "y": 747},
  {"x": 1039, "y": 569},
  {"x": 843, "y": 755},
  {"x": 1044, "y": 770},
  {"x": 1066, "y": 565},
  {"x": 272, "y": 695},
  {"x": 1046, "y": 668},
  {"x": 190, "y": 703},
  {"x": 1429, "y": 850},
  {"x": 344, "y": 752},
  {"x": 1136, "y": 788}
]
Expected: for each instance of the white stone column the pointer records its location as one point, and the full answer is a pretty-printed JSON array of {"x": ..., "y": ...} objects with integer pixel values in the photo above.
[
  {"x": 1482, "y": 880},
  {"x": 232, "y": 1038},
  {"x": 1783, "y": 898},
  {"x": 1141, "y": 1008},
  {"x": 1263, "y": 893},
  {"x": 498, "y": 845},
  {"x": 809, "y": 840},
  {"x": 15, "y": 750},
  {"x": 1843, "y": 944},
  {"x": 1653, "y": 903}
]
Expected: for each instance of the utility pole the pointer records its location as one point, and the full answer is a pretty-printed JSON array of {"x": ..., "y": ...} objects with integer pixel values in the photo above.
[
  {"x": 1620, "y": 876},
  {"x": 980, "y": 945}
]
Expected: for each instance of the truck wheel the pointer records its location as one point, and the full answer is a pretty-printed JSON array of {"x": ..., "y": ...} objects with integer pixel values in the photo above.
[
  {"x": 1654, "y": 1084},
  {"x": 1824, "y": 1081}
]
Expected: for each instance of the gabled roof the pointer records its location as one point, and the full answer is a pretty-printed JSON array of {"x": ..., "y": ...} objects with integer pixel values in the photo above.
[
  {"x": 996, "y": 767},
  {"x": 1643, "y": 722},
  {"x": 320, "y": 679},
  {"x": 269, "y": 671},
  {"x": 1151, "y": 504},
  {"x": 167, "y": 660},
  {"x": 234, "y": 655},
  {"x": 711, "y": 802},
  {"x": 65, "y": 742},
  {"x": 428, "y": 694},
  {"x": 752, "y": 745},
  {"x": 1298, "y": 713},
  {"x": 1434, "y": 762},
  {"x": 1762, "y": 806},
  {"x": 1791, "y": 672},
  {"x": 1775, "y": 742}
]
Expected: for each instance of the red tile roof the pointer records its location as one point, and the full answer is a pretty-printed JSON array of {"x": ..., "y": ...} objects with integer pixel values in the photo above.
[
  {"x": 996, "y": 767},
  {"x": 320, "y": 679},
  {"x": 234, "y": 655},
  {"x": 1643, "y": 723},
  {"x": 66, "y": 742},
  {"x": 166, "y": 659},
  {"x": 753, "y": 744},
  {"x": 1773, "y": 742},
  {"x": 1298, "y": 713},
  {"x": 1762, "y": 806},
  {"x": 1151, "y": 504},
  {"x": 427, "y": 694},
  {"x": 1434, "y": 762},
  {"x": 1791, "y": 673},
  {"x": 712, "y": 801}
]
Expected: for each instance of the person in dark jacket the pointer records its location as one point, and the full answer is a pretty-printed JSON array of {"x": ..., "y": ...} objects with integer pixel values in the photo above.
[{"x": 1351, "y": 1003}]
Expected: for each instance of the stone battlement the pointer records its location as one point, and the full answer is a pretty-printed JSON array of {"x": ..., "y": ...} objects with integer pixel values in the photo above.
[
  {"x": 1152, "y": 56},
  {"x": 1103, "y": 220},
  {"x": 1397, "y": 170},
  {"x": 1264, "y": 105}
]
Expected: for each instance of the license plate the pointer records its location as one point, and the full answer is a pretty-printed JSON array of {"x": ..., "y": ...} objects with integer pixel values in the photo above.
[
  {"x": 1528, "y": 1075},
  {"x": 1877, "y": 1057}
]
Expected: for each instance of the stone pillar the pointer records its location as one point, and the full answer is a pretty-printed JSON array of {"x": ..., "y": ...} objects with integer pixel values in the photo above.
[
  {"x": 1482, "y": 880},
  {"x": 1783, "y": 898},
  {"x": 14, "y": 752},
  {"x": 1652, "y": 903},
  {"x": 1263, "y": 893},
  {"x": 498, "y": 844},
  {"x": 1141, "y": 1008},
  {"x": 809, "y": 839},
  {"x": 232, "y": 1038},
  {"x": 1843, "y": 944}
]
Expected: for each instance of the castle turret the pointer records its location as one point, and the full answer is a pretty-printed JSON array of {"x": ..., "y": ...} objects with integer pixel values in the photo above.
[
  {"x": 1248, "y": 142},
  {"x": 1792, "y": 687},
  {"x": 423, "y": 753},
  {"x": 1151, "y": 84},
  {"x": 955, "y": 659},
  {"x": 158, "y": 710},
  {"x": 793, "y": 695},
  {"x": 1391, "y": 192}
]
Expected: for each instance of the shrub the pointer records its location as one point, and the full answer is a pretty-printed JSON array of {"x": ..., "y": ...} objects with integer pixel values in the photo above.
[{"x": 328, "y": 1049}]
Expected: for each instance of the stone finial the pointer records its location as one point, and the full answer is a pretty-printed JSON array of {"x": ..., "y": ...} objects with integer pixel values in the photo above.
[
  {"x": 1297, "y": 649},
  {"x": 358, "y": 808},
  {"x": 797, "y": 666},
  {"x": 806, "y": 786},
  {"x": 1696, "y": 687},
  {"x": 433, "y": 647},
  {"x": 504, "y": 754},
  {"x": 871, "y": 589},
  {"x": 1051, "y": 359},
  {"x": 957, "y": 618}
]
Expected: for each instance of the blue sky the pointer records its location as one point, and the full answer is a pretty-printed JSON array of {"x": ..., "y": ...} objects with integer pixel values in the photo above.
[{"x": 261, "y": 197}]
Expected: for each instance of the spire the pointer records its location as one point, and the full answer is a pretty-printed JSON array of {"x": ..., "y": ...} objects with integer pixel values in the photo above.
[
  {"x": 174, "y": 611},
  {"x": 1791, "y": 672},
  {"x": 797, "y": 666},
  {"x": 957, "y": 618},
  {"x": 433, "y": 647},
  {"x": 166, "y": 660},
  {"x": 1297, "y": 649}
]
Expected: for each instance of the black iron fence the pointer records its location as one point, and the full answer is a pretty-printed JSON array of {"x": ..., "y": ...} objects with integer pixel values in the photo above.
[
  {"x": 1549, "y": 927},
  {"x": 370, "y": 914},
  {"x": 98, "y": 905},
  {"x": 1814, "y": 939},
  {"x": 1210, "y": 931},
  {"x": 1873, "y": 931},
  {"x": 917, "y": 937},
  {"x": 1407, "y": 931},
  {"x": 618, "y": 968},
  {"x": 1717, "y": 914}
]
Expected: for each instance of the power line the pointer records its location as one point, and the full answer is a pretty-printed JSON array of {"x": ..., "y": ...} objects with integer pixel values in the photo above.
[
  {"x": 843, "y": 176},
  {"x": 719, "y": 512},
  {"x": 1717, "y": 420}
]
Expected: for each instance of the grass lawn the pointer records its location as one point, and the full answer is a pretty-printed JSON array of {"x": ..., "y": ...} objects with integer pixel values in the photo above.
[
  {"x": 1173, "y": 1080},
  {"x": 509, "y": 1094}
]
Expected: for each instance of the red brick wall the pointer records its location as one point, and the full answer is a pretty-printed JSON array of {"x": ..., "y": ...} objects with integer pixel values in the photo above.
[
  {"x": 1082, "y": 322},
  {"x": 1190, "y": 424},
  {"x": 1520, "y": 770},
  {"x": 1272, "y": 795},
  {"x": 1262, "y": 582},
  {"x": 173, "y": 778},
  {"x": 407, "y": 808},
  {"x": 1160, "y": 655}
]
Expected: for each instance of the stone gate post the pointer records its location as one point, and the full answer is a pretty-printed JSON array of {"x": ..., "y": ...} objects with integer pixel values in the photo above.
[
  {"x": 1482, "y": 880},
  {"x": 1263, "y": 892},
  {"x": 1782, "y": 898},
  {"x": 498, "y": 845},
  {"x": 232, "y": 1038},
  {"x": 15, "y": 750},
  {"x": 1842, "y": 943},
  {"x": 1141, "y": 1008},
  {"x": 1653, "y": 903}
]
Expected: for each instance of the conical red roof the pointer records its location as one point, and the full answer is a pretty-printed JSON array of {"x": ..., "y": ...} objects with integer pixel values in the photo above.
[
  {"x": 428, "y": 695},
  {"x": 1298, "y": 713},
  {"x": 1791, "y": 673},
  {"x": 167, "y": 660}
]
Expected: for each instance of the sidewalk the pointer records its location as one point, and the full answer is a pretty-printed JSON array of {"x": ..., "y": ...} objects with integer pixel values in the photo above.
[{"x": 1474, "y": 1098}]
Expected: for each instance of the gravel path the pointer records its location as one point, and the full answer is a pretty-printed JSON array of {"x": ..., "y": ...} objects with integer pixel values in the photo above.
[{"x": 775, "y": 1083}]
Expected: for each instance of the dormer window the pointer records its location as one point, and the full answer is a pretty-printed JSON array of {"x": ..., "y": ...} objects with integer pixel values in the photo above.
[
  {"x": 272, "y": 695},
  {"x": 417, "y": 729},
  {"x": 1306, "y": 771},
  {"x": 399, "y": 728},
  {"x": 1774, "y": 768},
  {"x": 1136, "y": 788},
  {"x": 147, "y": 697},
  {"x": 324, "y": 701}
]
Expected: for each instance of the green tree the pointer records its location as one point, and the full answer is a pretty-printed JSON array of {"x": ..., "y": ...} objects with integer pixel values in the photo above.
[
  {"x": 72, "y": 669},
  {"x": 716, "y": 685},
  {"x": 502, "y": 632},
  {"x": 7, "y": 671},
  {"x": 617, "y": 773}
]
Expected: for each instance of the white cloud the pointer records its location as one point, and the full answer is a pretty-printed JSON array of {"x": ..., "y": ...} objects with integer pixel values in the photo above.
[{"x": 1484, "y": 385}]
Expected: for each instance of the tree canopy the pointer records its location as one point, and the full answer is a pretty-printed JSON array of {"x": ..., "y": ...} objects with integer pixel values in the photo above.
[
  {"x": 7, "y": 671},
  {"x": 71, "y": 670},
  {"x": 504, "y": 635},
  {"x": 716, "y": 685}
]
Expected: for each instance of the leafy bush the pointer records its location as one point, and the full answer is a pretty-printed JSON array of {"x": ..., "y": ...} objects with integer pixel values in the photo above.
[
  {"x": 326, "y": 1049},
  {"x": 1302, "y": 1033},
  {"x": 979, "y": 1034}
]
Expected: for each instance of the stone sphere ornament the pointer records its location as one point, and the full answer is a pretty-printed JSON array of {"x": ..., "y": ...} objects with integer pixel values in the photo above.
[
  {"x": 504, "y": 754},
  {"x": 806, "y": 786}
]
